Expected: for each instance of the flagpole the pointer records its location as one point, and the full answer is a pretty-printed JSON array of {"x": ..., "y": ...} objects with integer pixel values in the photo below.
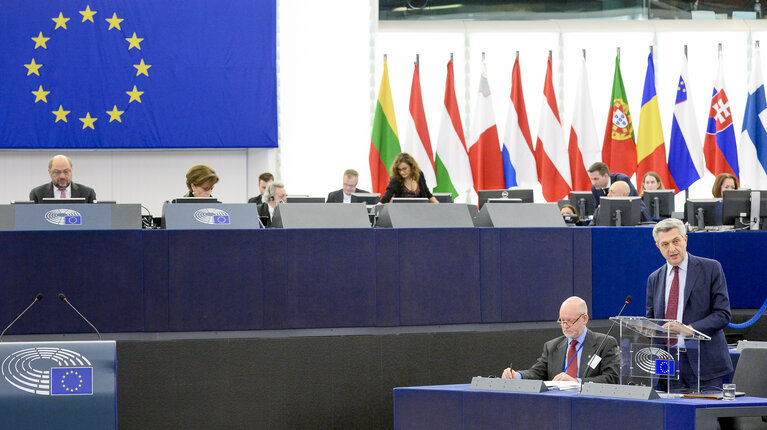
[
  {"x": 418, "y": 61},
  {"x": 619, "y": 53},
  {"x": 584, "y": 55}
]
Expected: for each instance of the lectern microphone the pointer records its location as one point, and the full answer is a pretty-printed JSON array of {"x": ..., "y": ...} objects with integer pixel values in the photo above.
[
  {"x": 63, "y": 298},
  {"x": 38, "y": 297},
  {"x": 595, "y": 359}
]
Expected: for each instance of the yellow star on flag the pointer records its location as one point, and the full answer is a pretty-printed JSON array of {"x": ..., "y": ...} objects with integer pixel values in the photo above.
[
  {"x": 134, "y": 42},
  {"x": 141, "y": 69},
  {"x": 114, "y": 22},
  {"x": 135, "y": 95},
  {"x": 88, "y": 121},
  {"x": 60, "y": 21},
  {"x": 88, "y": 14},
  {"x": 40, "y": 41},
  {"x": 61, "y": 114},
  {"x": 40, "y": 94},
  {"x": 33, "y": 68},
  {"x": 114, "y": 114}
]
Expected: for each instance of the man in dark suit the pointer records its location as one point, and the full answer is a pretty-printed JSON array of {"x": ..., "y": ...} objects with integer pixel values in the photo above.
[
  {"x": 264, "y": 180},
  {"x": 61, "y": 185},
  {"x": 692, "y": 291},
  {"x": 601, "y": 179},
  {"x": 275, "y": 193},
  {"x": 567, "y": 357},
  {"x": 344, "y": 195}
]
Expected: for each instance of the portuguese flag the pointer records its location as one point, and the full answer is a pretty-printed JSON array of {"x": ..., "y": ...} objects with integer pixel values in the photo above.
[
  {"x": 619, "y": 150},
  {"x": 384, "y": 141}
]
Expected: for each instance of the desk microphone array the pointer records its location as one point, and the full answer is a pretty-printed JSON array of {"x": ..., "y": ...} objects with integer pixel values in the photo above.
[{"x": 38, "y": 297}]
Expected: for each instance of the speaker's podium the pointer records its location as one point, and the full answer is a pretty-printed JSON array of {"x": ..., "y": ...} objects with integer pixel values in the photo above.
[
  {"x": 58, "y": 385},
  {"x": 651, "y": 353}
]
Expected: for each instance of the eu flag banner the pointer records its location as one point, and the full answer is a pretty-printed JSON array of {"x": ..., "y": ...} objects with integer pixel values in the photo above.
[
  {"x": 138, "y": 74},
  {"x": 71, "y": 381},
  {"x": 664, "y": 367}
]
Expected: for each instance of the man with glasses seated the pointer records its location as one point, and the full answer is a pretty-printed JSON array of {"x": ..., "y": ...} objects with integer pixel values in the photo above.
[
  {"x": 567, "y": 357},
  {"x": 61, "y": 185}
]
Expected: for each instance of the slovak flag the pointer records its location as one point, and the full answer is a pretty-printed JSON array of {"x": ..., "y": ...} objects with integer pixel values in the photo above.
[{"x": 719, "y": 145}]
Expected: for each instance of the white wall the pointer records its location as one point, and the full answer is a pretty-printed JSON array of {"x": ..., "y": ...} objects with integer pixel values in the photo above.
[{"x": 329, "y": 70}]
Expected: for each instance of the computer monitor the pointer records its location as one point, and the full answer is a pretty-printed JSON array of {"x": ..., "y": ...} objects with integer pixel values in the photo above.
[
  {"x": 584, "y": 202},
  {"x": 409, "y": 200},
  {"x": 304, "y": 199},
  {"x": 504, "y": 201},
  {"x": 660, "y": 203},
  {"x": 195, "y": 200},
  {"x": 63, "y": 201},
  {"x": 367, "y": 198},
  {"x": 736, "y": 207},
  {"x": 526, "y": 194},
  {"x": 443, "y": 197},
  {"x": 619, "y": 211},
  {"x": 703, "y": 213}
]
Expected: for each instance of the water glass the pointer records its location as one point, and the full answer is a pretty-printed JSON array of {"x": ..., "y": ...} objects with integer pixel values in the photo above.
[{"x": 728, "y": 392}]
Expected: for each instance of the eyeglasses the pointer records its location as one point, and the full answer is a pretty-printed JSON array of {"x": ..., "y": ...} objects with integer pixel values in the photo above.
[
  {"x": 65, "y": 172},
  {"x": 569, "y": 323}
]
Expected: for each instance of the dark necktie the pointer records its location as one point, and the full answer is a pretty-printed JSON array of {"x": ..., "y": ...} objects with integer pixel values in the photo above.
[
  {"x": 673, "y": 301},
  {"x": 572, "y": 368},
  {"x": 673, "y": 296}
]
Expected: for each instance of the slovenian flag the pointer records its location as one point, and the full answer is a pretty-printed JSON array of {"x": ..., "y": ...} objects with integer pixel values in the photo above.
[
  {"x": 719, "y": 144},
  {"x": 685, "y": 157},
  {"x": 753, "y": 139}
]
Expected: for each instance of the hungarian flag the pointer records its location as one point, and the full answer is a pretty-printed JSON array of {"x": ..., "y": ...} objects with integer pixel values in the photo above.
[
  {"x": 550, "y": 149},
  {"x": 619, "y": 150},
  {"x": 651, "y": 148},
  {"x": 417, "y": 142},
  {"x": 452, "y": 159},
  {"x": 484, "y": 146},
  {"x": 583, "y": 148},
  {"x": 384, "y": 141},
  {"x": 719, "y": 145}
]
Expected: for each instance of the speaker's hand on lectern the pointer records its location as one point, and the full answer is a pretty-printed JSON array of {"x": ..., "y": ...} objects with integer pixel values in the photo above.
[{"x": 508, "y": 373}]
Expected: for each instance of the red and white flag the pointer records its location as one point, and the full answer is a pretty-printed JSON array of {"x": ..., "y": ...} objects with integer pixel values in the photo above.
[
  {"x": 417, "y": 141},
  {"x": 550, "y": 149},
  {"x": 584, "y": 147},
  {"x": 484, "y": 146}
]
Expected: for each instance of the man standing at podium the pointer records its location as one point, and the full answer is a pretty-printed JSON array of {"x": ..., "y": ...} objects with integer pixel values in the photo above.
[
  {"x": 61, "y": 185},
  {"x": 566, "y": 358},
  {"x": 692, "y": 291}
]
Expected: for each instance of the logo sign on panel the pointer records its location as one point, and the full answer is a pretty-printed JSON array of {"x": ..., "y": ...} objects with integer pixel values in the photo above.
[
  {"x": 64, "y": 217},
  {"x": 48, "y": 371},
  {"x": 212, "y": 216}
]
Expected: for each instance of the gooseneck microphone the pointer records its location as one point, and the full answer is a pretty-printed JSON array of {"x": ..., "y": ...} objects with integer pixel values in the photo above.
[
  {"x": 38, "y": 297},
  {"x": 63, "y": 298},
  {"x": 601, "y": 344}
]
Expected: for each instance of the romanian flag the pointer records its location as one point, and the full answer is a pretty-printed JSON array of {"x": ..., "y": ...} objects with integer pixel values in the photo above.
[
  {"x": 384, "y": 141},
  {"x": 651, "y": 148},
  {"x": 619, "y": 151}
]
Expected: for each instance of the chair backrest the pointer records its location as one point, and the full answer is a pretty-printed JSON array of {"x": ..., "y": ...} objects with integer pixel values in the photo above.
[{"x": 750, "y": 375}]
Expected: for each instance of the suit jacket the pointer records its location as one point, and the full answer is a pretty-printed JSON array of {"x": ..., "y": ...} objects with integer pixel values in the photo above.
[
  {"x": 614, "y": 177},
  {"x": 396, "y": 188},
  {"x": 706, "y": 307},
  {"x": 263, "y": 213},
  {"x": 551, "y": 362},
  {"x": 257, "y": 200},
  {"x": 46, "y": 191},
  {"x": 338, "y": 195}
]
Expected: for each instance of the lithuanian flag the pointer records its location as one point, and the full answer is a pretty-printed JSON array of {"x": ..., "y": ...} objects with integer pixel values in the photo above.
[{"x": 384, "y": 141}]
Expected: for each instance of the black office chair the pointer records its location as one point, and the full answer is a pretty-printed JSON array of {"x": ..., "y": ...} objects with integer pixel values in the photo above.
[{"x": 750, "y": 378}]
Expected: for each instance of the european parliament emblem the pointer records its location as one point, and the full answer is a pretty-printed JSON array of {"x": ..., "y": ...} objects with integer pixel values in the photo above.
[
  {"x": 664, "y": 367},
  {"x": 71, "y": 381},
  {"x": 212, "y": 216},
  {"x": 48, "y": 370},
  {"x": 64, "y": 217}
]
